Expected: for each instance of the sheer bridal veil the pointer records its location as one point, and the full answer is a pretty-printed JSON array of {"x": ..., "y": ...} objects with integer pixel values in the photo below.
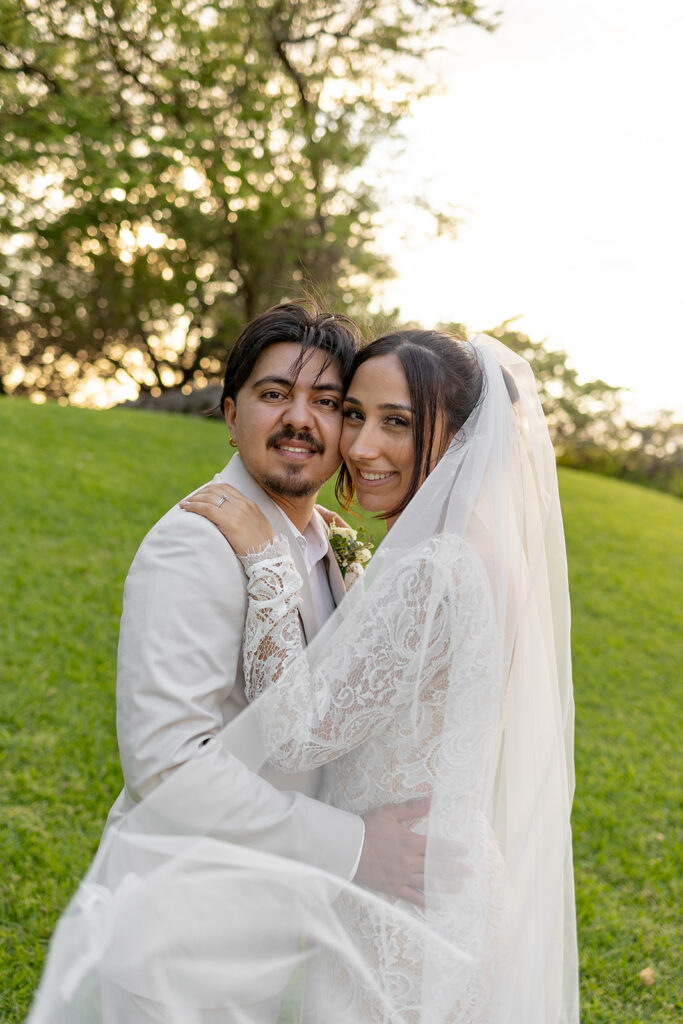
[{"x": 176, "y": 921}]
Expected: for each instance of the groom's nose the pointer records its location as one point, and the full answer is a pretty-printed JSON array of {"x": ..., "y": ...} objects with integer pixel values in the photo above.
[{"x": 298, "y": 415}]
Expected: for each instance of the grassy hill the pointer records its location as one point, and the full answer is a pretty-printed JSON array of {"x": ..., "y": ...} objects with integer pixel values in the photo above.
[{"x": 82, "y": 488}]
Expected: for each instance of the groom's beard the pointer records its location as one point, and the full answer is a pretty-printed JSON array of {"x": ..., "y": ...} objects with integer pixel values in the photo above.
[
  {"x": 288, "y": 483},
  {"x": 286, "y": 488}
]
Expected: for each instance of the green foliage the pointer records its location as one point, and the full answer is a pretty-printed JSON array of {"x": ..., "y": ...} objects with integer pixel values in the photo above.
[
  {"x": 351, "y": 546},
  {"x": 172, "y": 167},
  {"x": 83, "y": 487}
]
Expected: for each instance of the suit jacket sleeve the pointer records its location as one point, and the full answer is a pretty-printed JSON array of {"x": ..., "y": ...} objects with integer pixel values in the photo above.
[{"x": 179, "y": 653}]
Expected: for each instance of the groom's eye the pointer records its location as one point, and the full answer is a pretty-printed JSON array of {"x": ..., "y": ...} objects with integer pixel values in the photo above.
[{"x": 329, "y": 403}]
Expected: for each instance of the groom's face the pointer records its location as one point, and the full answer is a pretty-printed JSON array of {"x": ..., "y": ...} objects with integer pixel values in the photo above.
[{"x": 287, "y": 426}]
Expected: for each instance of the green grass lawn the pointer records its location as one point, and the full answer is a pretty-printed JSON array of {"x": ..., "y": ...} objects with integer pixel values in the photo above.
[{"x": 81, "y": 488}]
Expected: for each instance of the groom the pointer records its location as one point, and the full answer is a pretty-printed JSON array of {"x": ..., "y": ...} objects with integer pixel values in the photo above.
[{"x": 179, "y": 670}]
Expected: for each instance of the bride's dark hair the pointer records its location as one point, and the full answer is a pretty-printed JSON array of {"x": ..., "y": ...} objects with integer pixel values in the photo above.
[{"x": 443, "y": 376}]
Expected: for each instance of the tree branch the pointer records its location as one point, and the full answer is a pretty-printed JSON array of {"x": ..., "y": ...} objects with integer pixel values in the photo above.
[
  {"x": 291, "y": 71},
  {"x": 27, "y": 67}
]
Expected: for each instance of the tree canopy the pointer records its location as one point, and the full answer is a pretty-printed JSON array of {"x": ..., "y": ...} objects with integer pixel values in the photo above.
[{"x": 172, "y": 167}]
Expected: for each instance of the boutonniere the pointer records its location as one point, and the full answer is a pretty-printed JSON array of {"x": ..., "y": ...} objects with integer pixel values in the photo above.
[{"x": 350, "y": 547}]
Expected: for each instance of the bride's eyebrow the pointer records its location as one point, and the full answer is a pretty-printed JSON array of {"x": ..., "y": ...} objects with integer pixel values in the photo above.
[
  {"x": 387, "y": 406},
  {"x": 391, "y": 405}
]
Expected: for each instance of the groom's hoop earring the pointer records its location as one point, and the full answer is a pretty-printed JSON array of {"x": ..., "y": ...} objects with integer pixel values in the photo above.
[{"x": 220, "y": 501}]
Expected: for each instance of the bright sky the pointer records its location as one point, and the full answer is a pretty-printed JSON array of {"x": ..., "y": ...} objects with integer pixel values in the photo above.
[{"x": 559, "y": 140}]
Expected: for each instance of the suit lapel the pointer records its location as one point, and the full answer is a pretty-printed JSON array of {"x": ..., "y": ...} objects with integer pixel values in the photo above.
[
  {"x": 334, "y": 575},
  {"x": 237, "y": 476},
  {"x": 337, "y": 585}
]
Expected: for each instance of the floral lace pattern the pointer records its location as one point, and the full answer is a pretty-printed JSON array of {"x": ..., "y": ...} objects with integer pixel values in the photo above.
[
  {"x": 353, "y": 573},
  {"x": 407, "y": 692},
  {"x": 272, "y": 629}
]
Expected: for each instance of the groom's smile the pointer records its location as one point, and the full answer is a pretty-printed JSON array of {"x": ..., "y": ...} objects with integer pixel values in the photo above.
[
  {"x": 286, "y": 420},
  {"x": 295, "y": 447}
]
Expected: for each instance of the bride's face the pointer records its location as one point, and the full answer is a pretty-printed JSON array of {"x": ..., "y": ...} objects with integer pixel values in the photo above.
[{"x": 377, "y": 439}]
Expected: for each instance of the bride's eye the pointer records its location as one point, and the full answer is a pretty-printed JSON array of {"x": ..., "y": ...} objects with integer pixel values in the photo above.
[
  {"x": 353, "y": 414},
  {"x": 397, "y": 421}
]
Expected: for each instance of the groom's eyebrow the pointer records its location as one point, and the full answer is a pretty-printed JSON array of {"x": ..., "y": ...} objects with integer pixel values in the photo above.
[
  {"x": 282, "y": 381},
  {"x": 289, "y": 384}
]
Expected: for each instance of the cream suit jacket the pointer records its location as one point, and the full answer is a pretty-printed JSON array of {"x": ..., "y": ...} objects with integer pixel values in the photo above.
[{"x": 180, "y": 682}]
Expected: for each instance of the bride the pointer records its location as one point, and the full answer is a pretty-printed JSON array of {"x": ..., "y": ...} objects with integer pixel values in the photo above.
[{"x": 446, "y": 672}]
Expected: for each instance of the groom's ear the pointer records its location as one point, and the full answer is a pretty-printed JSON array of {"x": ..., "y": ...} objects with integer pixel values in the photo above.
[{"x": 230, "y": 412}]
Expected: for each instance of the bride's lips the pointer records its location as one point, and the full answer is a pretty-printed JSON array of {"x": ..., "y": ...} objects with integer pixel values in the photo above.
[{"x": 372, "y": 477}]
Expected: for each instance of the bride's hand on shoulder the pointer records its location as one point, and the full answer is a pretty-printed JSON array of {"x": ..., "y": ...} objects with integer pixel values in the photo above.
[
  {"x": 240, "y": 520},
  {"x": 332, "y": 518}
]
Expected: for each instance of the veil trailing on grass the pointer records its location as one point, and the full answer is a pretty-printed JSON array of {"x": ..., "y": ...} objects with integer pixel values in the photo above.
[{"x": 445, "y": 671}]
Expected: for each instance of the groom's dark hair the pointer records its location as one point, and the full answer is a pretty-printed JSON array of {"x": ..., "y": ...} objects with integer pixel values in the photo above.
[{"x": 316, "y": 331}]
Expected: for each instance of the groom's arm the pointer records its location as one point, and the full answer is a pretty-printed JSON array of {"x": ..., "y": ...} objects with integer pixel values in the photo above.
[
  {"x": 179, "y": 655},
  {"x": 179, "y": 648}
]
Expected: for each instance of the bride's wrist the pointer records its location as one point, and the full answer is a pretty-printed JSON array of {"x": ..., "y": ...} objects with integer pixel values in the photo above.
[{"x": 272, "y": 549}]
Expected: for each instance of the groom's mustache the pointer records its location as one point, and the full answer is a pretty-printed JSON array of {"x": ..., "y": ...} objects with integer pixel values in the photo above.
[{"x": 290, "y": 435}]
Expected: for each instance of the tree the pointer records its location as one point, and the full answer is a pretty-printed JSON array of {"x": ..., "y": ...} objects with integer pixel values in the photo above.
[{"x": 172, "y": 167}]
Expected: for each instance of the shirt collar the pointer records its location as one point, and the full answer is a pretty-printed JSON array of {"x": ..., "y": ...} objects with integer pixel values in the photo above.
[{"x": 313, "y": 541}]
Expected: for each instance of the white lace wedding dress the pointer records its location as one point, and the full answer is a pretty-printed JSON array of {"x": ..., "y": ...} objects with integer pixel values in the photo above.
[{"x": 404, "y": 701}]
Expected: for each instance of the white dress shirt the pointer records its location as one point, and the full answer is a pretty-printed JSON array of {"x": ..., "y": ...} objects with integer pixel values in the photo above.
[{"x": 313, "y": 545}]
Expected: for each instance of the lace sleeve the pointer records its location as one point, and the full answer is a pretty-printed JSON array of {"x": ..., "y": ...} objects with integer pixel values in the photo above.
[
  {"x": 385, "y": 652},
  {"x": 271, "y": 630}
]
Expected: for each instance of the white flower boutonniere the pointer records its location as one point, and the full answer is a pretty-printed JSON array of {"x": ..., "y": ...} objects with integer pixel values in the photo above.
[{"x": 351, "y": 547}]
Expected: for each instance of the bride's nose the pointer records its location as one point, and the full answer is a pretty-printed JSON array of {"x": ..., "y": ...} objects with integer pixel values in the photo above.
[{"x": 364, "y": 445}]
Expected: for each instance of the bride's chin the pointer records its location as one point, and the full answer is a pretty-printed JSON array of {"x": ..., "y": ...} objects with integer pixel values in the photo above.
[
  {"x": 367, "y": 501},
  {"x": 371, "y": 506},
  {"x": 373, "y": 502}
]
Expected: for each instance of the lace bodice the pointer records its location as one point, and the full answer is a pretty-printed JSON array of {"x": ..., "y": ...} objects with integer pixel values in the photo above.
[
  {"x": 378, "y": 664},
  {"x": 403, "y": 700}
]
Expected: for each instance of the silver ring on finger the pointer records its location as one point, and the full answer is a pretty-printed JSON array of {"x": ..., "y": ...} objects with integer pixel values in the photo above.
[{"x": 220, "y": 501}]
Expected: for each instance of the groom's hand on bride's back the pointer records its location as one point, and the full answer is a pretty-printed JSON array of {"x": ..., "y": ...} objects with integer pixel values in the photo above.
[{"x": 393, "y": 856}]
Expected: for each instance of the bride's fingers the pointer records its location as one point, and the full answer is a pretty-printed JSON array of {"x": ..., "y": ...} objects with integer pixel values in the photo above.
[
  {"x": 228, "y": 501},
  {"x": 240, "y": 520},
  {"x": 207, "y": 509},
  {"x": 214, "y": 492},
  {"x": 331, "y": 518}
]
